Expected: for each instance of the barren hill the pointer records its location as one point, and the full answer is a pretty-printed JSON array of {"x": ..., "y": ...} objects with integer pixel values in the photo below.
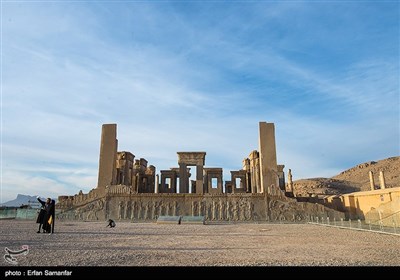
[{"x": 352, "y": 180}]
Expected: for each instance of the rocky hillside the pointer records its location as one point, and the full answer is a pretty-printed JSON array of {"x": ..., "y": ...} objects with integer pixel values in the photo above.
[{"x": 352, "y": 180}]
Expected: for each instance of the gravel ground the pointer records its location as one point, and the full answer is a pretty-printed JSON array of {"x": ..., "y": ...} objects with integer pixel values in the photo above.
[{"x": 151, "y": 244}]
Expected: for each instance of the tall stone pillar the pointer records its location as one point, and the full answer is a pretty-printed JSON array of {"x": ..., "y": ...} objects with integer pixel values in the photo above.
[
  {"x": 254, "y": 172},
  {"x": 257, "y": 175},
  {"x": 371, "y": 180},
  {"x": 268, "y": 163},
  {"x": 108, "y": 155},
  {"x": 156, "y": 185},
  {"x": 290, "y": 181},
  {"x": 382, "y": 180},
  {"x": 281, "y": 177},
  {"x": 199, "y": 179},
  {"x": 183, "y": 178}
]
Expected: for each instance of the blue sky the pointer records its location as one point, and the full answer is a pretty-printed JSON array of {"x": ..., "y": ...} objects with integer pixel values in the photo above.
[{"x": 194, "y": 76}]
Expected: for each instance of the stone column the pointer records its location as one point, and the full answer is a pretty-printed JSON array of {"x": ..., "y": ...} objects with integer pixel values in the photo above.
[
  {"x": 137, "y": 182},
  {"x": 219, "y": 182},
  {"x": 281, "y": 177},
  {"x": 108, "y": 155},
  {"x": 382, "y": 180},
  {"x": 183, "y": 179},
  {"x": 268, "y": 163},
  {"x": 248, "y": 182},
  {"x": 371, "y": 180},
  {"x": 254, "y": 175},
  {"x": 290, "y": 181},
  {"x": 254, "y": 185},
  {"x": 199, "y": 179},
  {"x": 156, "y": 184}
]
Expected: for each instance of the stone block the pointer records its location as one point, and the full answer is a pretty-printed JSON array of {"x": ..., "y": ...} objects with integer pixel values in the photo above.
[
  {"x": 192, "y": 220},
  {"x": 169, "y": 220}
]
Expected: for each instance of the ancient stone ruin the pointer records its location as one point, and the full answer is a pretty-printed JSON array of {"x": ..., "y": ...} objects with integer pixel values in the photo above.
[{"x": 130, "y": 189}]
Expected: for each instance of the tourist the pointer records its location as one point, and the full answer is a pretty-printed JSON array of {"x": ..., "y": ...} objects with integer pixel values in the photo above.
[
  {"x": 111, "y": 223},
  {"x": 42, "y": 213},
  {"x": 49, "y": 217}
]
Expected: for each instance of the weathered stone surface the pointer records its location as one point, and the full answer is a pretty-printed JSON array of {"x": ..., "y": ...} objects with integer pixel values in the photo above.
[
  {"x": 127, "y": 188},
  {"x": 169, "y": 220},
  {"x": 192, "y": 220},
  {"x": 222, "y": 207}
]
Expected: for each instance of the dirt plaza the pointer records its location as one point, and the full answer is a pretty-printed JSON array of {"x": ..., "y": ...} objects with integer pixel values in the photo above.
[{"x": 194, "y": 245}]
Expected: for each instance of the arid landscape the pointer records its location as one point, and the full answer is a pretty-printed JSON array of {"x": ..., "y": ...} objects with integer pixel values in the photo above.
[{"x": 351, "y": 180}]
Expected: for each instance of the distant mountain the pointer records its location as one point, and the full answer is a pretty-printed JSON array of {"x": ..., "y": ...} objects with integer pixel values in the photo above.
[
  {"x": 358, "y": 176},
  {"x": 352, "y": 180},
  {"x": 23, "y": 200}
]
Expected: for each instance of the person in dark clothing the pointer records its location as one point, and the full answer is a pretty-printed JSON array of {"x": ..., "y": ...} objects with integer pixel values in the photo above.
[
  {"x": 111, "y": 223},
  {"x": 42, "y": 214},
  {"x": 53, "y": 214},
  {"x": 49, "y": 217}
]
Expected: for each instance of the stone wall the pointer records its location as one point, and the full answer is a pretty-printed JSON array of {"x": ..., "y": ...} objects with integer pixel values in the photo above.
[{"x": 243, "y": 207}]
